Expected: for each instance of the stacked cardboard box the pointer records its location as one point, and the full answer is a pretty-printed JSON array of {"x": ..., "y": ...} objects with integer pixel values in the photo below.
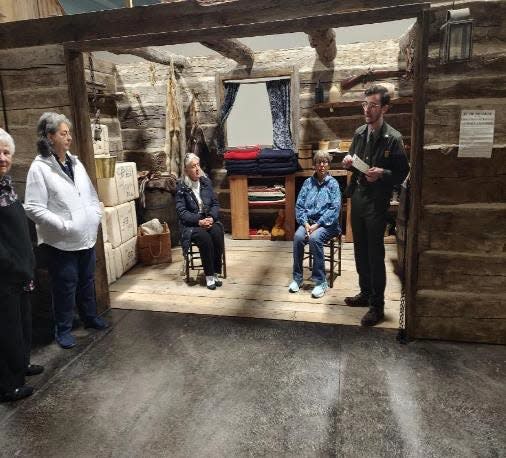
[{"x": 119, "y": 223}]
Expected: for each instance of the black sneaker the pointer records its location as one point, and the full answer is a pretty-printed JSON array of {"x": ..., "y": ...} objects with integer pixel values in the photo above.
[
  {"x": 372, "y": 317},
  {"x": 360, "y": 300},
  {"x": 34, "y": 369},
  {"x": 17, "y": 394}
]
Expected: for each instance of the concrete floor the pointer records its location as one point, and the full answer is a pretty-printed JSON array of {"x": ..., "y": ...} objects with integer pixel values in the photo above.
[{"x": 161, "y": 384}]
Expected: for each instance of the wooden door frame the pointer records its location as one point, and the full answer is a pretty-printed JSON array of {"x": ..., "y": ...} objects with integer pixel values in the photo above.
[
  {"x": 78, "y": 94},
  {"x": 84, "y": 146},
  {"x": 416, "y": 170}
]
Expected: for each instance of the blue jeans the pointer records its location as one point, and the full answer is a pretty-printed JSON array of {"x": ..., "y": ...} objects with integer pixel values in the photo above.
[
  {"x": 72, "y": 276},
  {"x": 316, "y": 241}
]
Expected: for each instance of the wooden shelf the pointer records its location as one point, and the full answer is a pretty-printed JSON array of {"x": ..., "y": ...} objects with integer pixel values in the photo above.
[
  {"x": 272, "y": 204},
  {"x": 240, "y": 206},
  {"x": 334, "y": 173},
  {"x": 349, "y": 108},
  {"x": 356, "y": 103},
  {"x": 260, "y": 237}
]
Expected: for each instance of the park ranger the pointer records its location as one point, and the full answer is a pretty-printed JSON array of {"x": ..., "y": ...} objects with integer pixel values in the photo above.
[{"x": 384, "y": 165}]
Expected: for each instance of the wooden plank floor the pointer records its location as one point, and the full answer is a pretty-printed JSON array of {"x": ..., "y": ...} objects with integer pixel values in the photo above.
[{"x": 256, "y": 286}]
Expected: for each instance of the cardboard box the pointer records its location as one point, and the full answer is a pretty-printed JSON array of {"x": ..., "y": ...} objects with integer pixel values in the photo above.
[{"x": 113, "y": 226}]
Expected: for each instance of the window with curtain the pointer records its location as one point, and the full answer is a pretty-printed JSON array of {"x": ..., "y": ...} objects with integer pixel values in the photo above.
[{"x": 250, "y": 120}]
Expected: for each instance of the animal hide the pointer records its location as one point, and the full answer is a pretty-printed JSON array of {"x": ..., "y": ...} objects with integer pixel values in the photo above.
[{"x": 175, "y": 144}]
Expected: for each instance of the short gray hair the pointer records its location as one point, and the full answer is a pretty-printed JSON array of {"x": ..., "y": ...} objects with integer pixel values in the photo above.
[
  {"x": 322, "y": 156},
  {"x": 7, "y": 140},
  {"x": 49, "y": 123}
]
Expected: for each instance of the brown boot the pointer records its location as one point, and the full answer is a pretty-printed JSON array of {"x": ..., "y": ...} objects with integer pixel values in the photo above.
[
  {"x": 360, "y": 300},
  {"x": 372, "y": 317}
]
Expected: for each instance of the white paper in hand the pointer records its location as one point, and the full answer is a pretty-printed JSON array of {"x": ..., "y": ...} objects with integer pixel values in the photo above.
[{"x": 359, "y": 164}]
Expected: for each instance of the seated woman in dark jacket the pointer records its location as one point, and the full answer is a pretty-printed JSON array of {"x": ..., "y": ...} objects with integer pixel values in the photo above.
[
  {"x": 16, "y": 281},
  {"x": 198, "y": 211}
]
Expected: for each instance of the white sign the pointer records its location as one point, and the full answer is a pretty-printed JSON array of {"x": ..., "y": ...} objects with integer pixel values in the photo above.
[{"x": 476, "y": 137}]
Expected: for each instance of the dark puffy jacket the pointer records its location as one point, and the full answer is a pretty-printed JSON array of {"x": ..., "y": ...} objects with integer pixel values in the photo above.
[{"x": 187, "y": 208}]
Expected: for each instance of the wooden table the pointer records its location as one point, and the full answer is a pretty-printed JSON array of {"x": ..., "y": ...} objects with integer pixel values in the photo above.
[{"x": 239, "y": 205}]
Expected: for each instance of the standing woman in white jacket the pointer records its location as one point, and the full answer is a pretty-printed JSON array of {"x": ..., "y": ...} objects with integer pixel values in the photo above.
[{"x": 61, "y": 201}]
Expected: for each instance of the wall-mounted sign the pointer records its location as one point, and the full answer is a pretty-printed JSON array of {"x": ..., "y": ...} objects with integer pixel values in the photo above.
[{"x": 476, "y": 137}]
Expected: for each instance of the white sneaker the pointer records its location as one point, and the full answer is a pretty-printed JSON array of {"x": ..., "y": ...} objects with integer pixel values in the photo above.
[
  {"x": 294, "y": 287},
  {"x": 210, "y": 282}
]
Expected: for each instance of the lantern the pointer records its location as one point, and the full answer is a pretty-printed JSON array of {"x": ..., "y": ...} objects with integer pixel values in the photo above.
[{"x": 456, "y": 36}]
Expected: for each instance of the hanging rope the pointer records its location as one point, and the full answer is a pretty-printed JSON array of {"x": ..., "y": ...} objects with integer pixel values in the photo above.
[{"x": 97, "y": 130}]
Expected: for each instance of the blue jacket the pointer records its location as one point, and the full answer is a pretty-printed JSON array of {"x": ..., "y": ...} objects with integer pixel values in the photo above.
[
  {"x": 319, "y": 203},
  {"x": 187, "y": 208}
]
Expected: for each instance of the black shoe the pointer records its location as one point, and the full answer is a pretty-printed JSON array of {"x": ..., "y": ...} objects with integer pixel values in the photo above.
[
  {"x": 212, "y": 286},
  {"x": 218, "y": 282},
  {"x": 96, "y": 323},
  {"x": 360, "y": 300},
  {"x": 34, "y": 369},
  {"x": 373, "y": 317},
  {"x": 17, "y": 394}
]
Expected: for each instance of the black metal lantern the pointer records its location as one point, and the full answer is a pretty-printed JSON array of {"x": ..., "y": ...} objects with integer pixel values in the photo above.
[{"x": 457, "y": 36}]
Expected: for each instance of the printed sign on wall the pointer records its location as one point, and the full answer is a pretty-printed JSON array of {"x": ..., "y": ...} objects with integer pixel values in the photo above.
[{"x": 476, "y": 137}]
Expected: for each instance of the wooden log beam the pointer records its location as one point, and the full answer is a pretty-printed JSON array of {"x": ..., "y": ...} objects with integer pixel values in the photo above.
[
  {"x": 186, "y": 15},
  {"x": 324, "y": 43},
  {"x": 256, "y": 29},
  {"x": 232, "y": 49},
  {"x": 84, "y": 149},
  {"x": 154, "y": 55}
]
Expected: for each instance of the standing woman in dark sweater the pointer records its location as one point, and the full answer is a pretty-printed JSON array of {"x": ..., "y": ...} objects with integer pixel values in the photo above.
[{"x": 16, "y": 281}]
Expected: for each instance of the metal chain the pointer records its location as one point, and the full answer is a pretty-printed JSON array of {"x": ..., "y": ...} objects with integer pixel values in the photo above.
[
  {"x": 402, "y": 337},
  {"x": 97, "y": 130}
]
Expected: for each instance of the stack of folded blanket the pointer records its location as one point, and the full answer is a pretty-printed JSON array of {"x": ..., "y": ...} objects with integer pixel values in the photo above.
[
  {"x": 242, "y": 160},
  {"x": 277, "y": 162},
  {"x": 266, "y": 195}
]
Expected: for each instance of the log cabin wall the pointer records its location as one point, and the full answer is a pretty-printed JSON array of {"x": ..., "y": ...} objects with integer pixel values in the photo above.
[
  {"x": 18, "y": 10},
  {"x": 462, "y": 233},
  {"x": 142, "y": 108},
  {"x": 34, "y": 80}
]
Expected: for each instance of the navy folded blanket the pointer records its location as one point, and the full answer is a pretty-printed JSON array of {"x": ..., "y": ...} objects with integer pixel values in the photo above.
[
  {"x": 277, "y": 165},
  {"x": 269, "y": 153},
  {"x": 279, "y": 171}
]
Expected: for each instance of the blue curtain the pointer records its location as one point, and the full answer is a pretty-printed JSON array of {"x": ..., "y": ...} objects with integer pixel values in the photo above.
[
  {"x": 231, "y": 90},
  {"x": 279, "y": 99}
]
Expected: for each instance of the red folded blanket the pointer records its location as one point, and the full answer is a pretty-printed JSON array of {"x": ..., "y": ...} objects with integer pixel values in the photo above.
[{"x": 243, "y": 153}]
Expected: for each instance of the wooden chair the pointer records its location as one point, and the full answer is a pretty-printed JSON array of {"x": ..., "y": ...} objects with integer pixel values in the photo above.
[
  {"x": 331, "y": 248},
  {"x": 193, "y": 261}
]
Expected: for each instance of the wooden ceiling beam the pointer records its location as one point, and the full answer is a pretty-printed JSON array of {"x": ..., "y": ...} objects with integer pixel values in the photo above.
[
  {"x": 155, "y": 55},
  {"x": 180, "y": 17},
  {"x": 251, "y": 30},
  {"x": 324, "y": 43},
  {"x": 232, "y": 49}
]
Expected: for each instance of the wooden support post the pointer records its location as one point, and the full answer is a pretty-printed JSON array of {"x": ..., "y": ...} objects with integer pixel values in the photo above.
[
  {"x": 290, "y": 207},
  {"x": 84, "y": 150},
  {"x": 349, "y": 233},
  {"x": 239, "y": 206},
  {"x": 417, "y": 138}
]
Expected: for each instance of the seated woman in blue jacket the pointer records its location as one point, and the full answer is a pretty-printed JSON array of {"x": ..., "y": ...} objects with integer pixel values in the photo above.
[
  {"x": 198, "y": 211},
  {"x": 317, "y": 213}
]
